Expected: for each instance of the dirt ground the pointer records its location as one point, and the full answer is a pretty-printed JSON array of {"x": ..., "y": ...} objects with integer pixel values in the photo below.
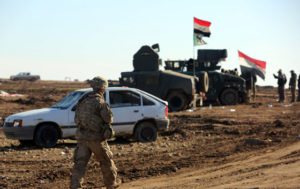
[{"x": 254, "y": 145}]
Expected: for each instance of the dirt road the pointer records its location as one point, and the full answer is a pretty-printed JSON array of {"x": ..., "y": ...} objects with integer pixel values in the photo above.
[
  {"x": 245, "y": 146},
  {"x": 268, "y": 168}
]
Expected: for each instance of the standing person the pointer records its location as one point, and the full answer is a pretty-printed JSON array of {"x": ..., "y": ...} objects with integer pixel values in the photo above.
[
  {"x": 250, "y": 79},
  {"x": 281, "y": 81},
  {"x": 93, "y": 118},
  {"x": 253, "y": 82},
  {"x": 292, "y": 85},
  {"x": 248, "y": 82},
  {"x": 298, "y": 89}
]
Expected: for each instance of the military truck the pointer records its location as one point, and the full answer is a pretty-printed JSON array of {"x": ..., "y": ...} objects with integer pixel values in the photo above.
[
  {"x": 25, "y": 76},
  {"x": 178, "y": 89},
  {"x": 224, "y": 88}
]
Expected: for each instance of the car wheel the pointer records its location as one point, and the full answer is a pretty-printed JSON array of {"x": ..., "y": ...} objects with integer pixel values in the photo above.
[
  {"x": 177, "y": 101},
  {"x": 146, "y": 132},
  {"x": 229, "y": 97},
  {"x": 46, "y": 136}
]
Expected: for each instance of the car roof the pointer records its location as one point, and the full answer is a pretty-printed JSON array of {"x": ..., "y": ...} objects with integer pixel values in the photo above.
[
  {"x": 124, "y": 89},
  {"x": 109, "y": 88}
]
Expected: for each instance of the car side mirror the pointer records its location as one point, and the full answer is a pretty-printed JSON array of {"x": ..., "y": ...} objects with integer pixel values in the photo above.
[{"x": 74, "y": 108}]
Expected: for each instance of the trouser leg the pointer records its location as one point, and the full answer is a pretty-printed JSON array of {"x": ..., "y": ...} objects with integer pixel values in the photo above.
[
  {"x": 248, "y": 95},
  {"x": 293, "y": 91},
  {"x": 82, "y": 155},
  {"x": 254, "y": 93},
  {"x": 281, "y": 93},
  {"x": 104, "y": 156}
]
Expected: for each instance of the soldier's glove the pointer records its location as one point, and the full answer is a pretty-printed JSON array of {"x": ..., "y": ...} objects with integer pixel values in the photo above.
[{"x": 108, "y": 132}]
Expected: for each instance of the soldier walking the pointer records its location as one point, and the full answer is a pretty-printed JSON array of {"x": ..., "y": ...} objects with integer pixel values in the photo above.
[
  {"x": 292, "y": 85},
  {"x": 93, "y": 118},
  {"x": 281, "y": 81}
]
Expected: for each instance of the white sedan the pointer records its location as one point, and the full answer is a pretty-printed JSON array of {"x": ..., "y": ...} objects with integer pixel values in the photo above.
[{"x": 137, "y": 114}]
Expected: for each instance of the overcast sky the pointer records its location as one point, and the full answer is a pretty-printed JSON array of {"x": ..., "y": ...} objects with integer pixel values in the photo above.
[{"x": 84, "y": 38}]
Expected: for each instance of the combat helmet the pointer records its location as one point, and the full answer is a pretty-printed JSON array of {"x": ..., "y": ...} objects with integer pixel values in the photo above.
[{"x": 98, "y": 82}]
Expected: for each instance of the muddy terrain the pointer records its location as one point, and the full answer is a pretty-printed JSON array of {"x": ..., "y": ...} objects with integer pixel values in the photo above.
[{"x": 254, "y": 145}]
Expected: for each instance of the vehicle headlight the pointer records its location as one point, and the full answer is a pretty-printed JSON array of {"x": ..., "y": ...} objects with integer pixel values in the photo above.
[{"x": 18, "y": 123}]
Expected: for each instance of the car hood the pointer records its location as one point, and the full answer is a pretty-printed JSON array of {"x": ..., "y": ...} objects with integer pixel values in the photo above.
[{"x": 38, "y": 114}]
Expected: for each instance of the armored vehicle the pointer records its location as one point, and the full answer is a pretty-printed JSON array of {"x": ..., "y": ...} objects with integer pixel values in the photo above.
[
  {"x": 178, "y": 89},
  {"x": 224, "y": 88}
]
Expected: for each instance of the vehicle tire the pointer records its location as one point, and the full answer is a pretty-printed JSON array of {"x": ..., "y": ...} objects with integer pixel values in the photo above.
[
  {"x": 145, "y": 132},
  {"x": 203, "y": 82},
  {"x": 229, "y": 96},
  {"x": 46, "y": 136},
  {"x": 176, "y": 101}
]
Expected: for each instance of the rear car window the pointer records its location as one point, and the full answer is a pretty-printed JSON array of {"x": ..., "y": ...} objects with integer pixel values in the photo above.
[
  {"x": 124, "y": 99},
  {"x": 147, "y": 102}
]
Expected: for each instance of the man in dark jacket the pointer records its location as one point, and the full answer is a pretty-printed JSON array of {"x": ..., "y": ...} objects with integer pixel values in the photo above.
[{"x": 281, "y": 81}]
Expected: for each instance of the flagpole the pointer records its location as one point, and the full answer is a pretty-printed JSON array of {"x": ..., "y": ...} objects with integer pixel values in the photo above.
[
  {"x": 195, "y": 99},
  {"x": 194, "y": 71},
  {"x": 194, "y": 66}
]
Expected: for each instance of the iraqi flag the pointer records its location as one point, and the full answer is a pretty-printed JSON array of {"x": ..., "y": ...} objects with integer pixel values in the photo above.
[
  {"x": 252, "y": 65},
  {"x": 201, "y": 29}
]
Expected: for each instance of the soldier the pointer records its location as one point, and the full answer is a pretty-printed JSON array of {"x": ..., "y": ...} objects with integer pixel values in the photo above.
[
  {"x": 250, "y": 79},
  {"x": 292, "y": 85},
  {"x": 247, "y": 77},
  {"x": 253, "y": 84},
  {"x": 235, "y": 72},
  {"x": 298, "y": 89},
  {"x": 281, "y": 81},
  {"x": 93, "y": 118}
]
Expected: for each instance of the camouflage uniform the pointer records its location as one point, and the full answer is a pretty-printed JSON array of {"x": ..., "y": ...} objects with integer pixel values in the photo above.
[
  {"x": 281, "y": 80},
  {"x": 292, "y": 85},
  {"x": 91, "y": 117}
]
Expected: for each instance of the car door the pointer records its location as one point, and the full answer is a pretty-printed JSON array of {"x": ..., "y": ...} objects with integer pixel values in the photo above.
[
  {"x": 74, "y": 104},
  {"x": 69, "y": 128},
  {"x": 126, "y": 108}
]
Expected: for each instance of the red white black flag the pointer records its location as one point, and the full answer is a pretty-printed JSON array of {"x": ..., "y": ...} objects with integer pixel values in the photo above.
[
  {"x": 201, "y": 29},
  {"x": 252, "y": 65}
]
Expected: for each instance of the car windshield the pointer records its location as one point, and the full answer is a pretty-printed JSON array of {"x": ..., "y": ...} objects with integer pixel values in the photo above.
[{"x": 68, "y": 100}]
